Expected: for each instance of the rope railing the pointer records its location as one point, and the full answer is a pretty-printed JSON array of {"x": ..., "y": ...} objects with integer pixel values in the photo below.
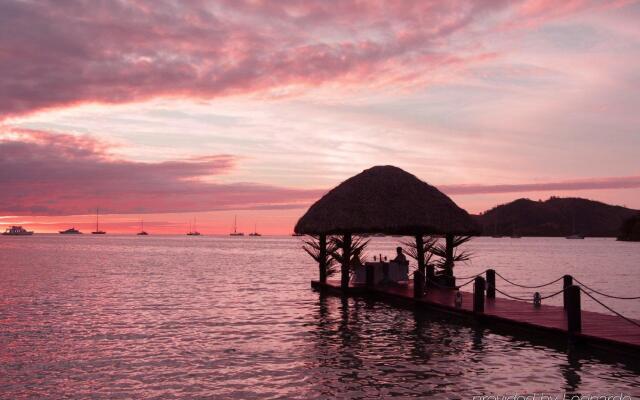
[
  {"x": 472, "y": 276},
  {"x": 604, "y": 294},
  {"x": 610, "y": 309},
  {"x": 527, "y": 286},
  {"x": 465, "y": 284},
  {"x": 529, "y": 299}
]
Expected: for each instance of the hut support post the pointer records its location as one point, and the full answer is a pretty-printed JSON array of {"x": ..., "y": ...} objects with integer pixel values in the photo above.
[
  {"x": 478, "y": 294},
  {"x": 370, "y": 278},
  {"x": 323, "y": 258},
  {"x": 491, "y": 284},
  {"x": 420, "y": 254},
  {"x": 449, "y": 255},
  {"x": 346, "y": 259},
  {"x": 566, "y": 282},
  {"x": 574, "y": 313}
]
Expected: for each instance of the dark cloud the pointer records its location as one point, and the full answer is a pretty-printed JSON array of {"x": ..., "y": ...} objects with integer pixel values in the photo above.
[{"x": 59, "y": 174}]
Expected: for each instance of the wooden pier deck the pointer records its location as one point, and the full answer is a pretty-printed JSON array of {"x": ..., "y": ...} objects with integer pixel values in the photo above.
[{"x": 598, "y": 329}]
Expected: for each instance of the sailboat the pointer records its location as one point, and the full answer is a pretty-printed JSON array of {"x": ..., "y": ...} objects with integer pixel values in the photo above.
[
  {"x": 98, "y": 231},
  {"x": 193, "y": 231},
  {"x": 574, "y": 235},
  {"x": 142, "y": 231},
  {"x": 255, "y": 231},
  {"x": 235, "y": 228}
]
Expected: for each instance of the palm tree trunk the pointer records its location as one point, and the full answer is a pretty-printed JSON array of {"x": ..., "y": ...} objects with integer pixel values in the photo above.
[
  {"x": 323, "y": 259},
  {"x": 420, "y": 254},
  {"x": 449, "y": 255}
]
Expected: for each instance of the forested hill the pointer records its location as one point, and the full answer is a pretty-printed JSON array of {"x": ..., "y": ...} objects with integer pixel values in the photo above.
[{"x": 555, "y": 217}]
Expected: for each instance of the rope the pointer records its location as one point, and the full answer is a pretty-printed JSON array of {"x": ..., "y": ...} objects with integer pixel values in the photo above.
[
  {"x": 528, "y": 287},
  {"x": 471, "y": 277},
  {"x": 552, "y": 295},
  {"x": 441, "y": 286},
  {"x": 610, "y": 309},
  {"x": 604, "y": 294},
  {"x": 465, "y": 284},
  {"x": 510, "y": 296}
]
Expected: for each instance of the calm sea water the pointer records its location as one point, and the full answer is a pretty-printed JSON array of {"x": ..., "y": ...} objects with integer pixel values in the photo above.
[{"x": 193, "y": 317}]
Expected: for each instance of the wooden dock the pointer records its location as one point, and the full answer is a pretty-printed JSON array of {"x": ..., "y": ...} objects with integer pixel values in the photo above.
[{"x": 598, "y": 329}]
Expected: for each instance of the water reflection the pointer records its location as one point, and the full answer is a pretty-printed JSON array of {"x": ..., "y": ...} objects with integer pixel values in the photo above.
[
  {"x": 107, "y": 317},
  {"x": 571, "y": 371},
  {"x": 363, "y": 349}
]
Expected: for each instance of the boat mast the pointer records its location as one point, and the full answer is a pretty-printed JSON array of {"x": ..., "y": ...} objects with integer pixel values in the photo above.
[{"x": 97, "y": 219}]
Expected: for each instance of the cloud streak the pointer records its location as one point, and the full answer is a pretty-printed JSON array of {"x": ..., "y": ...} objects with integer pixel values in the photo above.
[
  {"x": 61, "y": 174},
  {"x": 62, "y": 53},
  {"x": 626, "y": 182}
]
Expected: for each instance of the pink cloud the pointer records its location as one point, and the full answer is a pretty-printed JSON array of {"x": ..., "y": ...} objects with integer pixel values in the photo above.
[
  {"x": 57, "y": 54},
  {"x": 60, "y": 174}
]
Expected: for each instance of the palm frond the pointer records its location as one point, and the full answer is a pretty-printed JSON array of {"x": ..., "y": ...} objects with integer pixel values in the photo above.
[
  {"x": 439, "y": 250},
  {"x": 356, "y": 249},
  {"x": 411, "y": 248}
]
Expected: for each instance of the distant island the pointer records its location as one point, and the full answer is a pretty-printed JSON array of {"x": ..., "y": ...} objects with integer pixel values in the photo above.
[
  {"x": 630, "y": 231},
  {"x": 556, "y": 217}
]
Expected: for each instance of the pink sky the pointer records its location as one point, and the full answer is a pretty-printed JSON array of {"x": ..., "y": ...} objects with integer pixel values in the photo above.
[{"x": 169, "y": 110}]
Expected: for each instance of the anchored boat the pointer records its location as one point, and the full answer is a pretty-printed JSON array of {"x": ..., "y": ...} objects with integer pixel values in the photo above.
[
  {"x": 70, "y": 231},
  {"x": 235, "y": 228},
  {"x": 17, "y": 231},
  {"x": 98, "y": 231}
]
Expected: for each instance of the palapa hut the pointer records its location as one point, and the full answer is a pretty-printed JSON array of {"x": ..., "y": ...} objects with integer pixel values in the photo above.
[{"x": 388, "y": 200}]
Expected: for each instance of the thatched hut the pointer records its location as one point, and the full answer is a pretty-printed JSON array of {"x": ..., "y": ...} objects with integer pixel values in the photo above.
[{"x": 388, "y": 200}]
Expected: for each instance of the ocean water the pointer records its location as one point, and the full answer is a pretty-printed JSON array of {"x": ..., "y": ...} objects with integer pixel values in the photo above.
[{"x": 220, "y": 317}]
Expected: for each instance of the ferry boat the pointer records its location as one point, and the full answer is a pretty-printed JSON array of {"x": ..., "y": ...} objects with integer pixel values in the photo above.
[
  {"x": 17, "y": 231},
  {"x": 70, "y": 231},
  {"x": 235, "y": 228}
]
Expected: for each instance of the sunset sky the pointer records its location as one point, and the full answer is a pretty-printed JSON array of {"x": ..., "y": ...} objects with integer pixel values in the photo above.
[{"x": 170, "y": 110}]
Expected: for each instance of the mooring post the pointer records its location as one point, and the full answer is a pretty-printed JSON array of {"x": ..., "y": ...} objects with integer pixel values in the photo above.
[
  {"x": 574, "y": 313},
  {"x": 431, "y": 274},
  {"x": 566, "y": 282},
  {"x": 418, "y": 284},
  {"x": 491, "y": 284},
  {"x": 478, "y": 294},
  {"x": 369, "y": 275}
]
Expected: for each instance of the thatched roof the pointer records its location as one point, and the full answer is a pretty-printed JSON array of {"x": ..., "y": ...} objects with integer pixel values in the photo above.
[{"x": 385, "y": 199}]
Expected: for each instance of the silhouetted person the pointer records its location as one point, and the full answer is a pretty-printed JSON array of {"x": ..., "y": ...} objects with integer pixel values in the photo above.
[{"x": 400, "y": 257}]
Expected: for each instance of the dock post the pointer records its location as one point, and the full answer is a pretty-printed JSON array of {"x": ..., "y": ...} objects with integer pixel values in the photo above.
[
  {"x": 574, "y": 314},
  {"x": 431, "y": 273},
  {"x": 418, "y": 284},
  {"x": 478, "y": 294},
  {"x": 369, "y": 275},
  {"x": 567, "y": 281},
  {"x": 491, "y": 284}
]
